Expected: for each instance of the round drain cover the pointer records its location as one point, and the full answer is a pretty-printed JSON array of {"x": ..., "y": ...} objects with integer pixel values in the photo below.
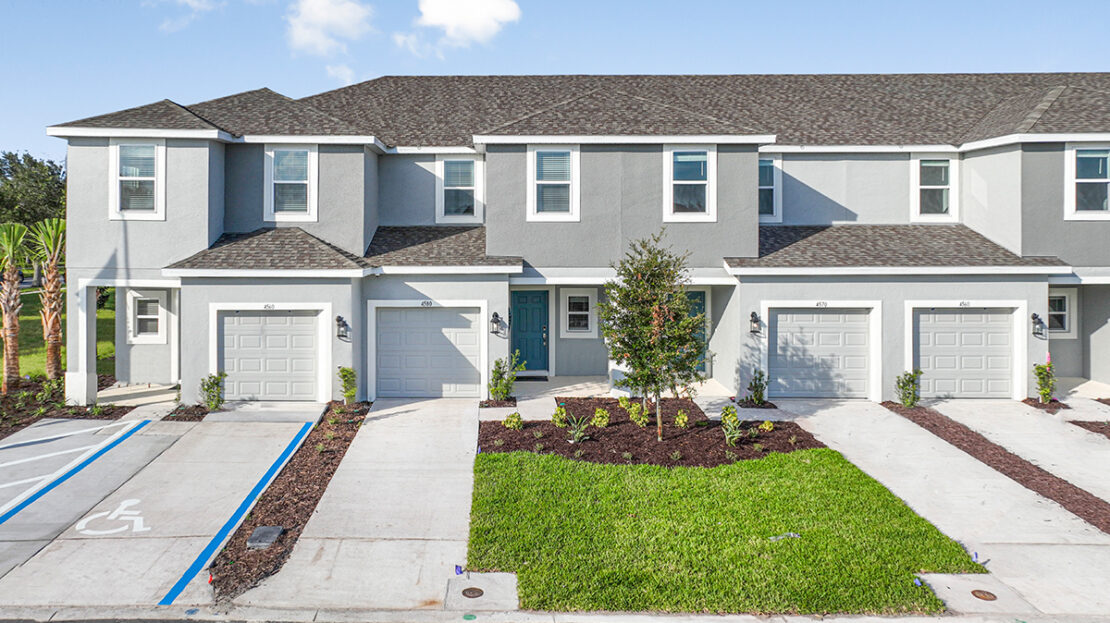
[
  {"x": 984, "y": 595},
  {"x": 472, "y": 592}
]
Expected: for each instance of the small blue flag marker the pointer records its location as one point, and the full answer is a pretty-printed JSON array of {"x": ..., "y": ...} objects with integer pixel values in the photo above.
[
  {"x": 917, "y": 581},
  {"x": 458, "y": 570}
]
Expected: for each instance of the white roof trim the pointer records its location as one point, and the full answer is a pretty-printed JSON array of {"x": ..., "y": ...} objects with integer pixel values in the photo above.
[
  {"x": 897, "y": 270},
  {"x": 1084, "y": 275},
  {"x": 590, "y": 276},
  {"x": 1010, "y": 139},
  {"x": 836, "y": 149},
  {"x": 432, "y": 150},
  {"x": 75, "y": 132},
  {"x": 338, "y": 273},
  {"x": 321, "y": 139},
  {"x": 553, "y": 139},
  {"x": 445, "y": 270}
]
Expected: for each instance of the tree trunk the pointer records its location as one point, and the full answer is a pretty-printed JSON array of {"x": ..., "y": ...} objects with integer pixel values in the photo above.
[
  {"x": 10, "y": 304},
  {"x": 52, "y": 303},
  {"x": 658, "y": 416},
  {"x": 36, "y": 280}
]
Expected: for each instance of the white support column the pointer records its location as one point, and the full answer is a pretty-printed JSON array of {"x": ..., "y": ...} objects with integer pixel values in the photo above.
[{"x": 81, "y": 383}]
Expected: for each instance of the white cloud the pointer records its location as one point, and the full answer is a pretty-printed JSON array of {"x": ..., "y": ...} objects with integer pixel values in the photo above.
[
  {"x": 196, "y": 8},
  {"x": 463, "y": 22},
  {"x": 316, "y": 26},
  {"x": 414, "y": 43},
  {"x": 342, "y": 73}
]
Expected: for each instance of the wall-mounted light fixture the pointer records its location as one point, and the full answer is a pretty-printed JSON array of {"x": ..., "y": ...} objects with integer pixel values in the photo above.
[
  {"x": 495, "y": 323},
  {"x": 1038, "y": 326},
  {"x": 755, "y": 324},
  {"x": 342, "y": 329}
]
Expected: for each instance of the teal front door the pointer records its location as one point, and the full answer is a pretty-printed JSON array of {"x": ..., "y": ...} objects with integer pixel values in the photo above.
[
  {"x": 697, "y": 306},
  {"x": 530, "y": 330}
]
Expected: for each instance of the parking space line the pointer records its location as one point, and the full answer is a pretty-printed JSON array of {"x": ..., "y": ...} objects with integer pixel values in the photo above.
[
  {"x": 32, "y": 495},
  {"x": 16, "y": 483},
  {"x": 31, "y": 442},
  {"x": 39, "y": 457},
  {"x": 232, "y": 522}
]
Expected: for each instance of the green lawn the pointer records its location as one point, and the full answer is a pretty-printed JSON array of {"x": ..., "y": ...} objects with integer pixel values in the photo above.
[
  {"x": 584, "y": 536},
  {"x": 32, "y": 348}
]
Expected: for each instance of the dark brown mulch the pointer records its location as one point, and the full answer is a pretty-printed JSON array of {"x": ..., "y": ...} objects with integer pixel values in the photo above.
[
  {"x": 1051, "y": 407},
  {"x": 491, "y": 404},
  {"x": 1105, "y": 401},
  {"x": 1087, "y": 507},
  {"x": 747, "y": 403},
  {"x": 104, "y": 381},
  {"x": 1102, "y": 428},
  {"x": 289, "y": 502},
  {"x": 700, "y": 444},
  {"x": 21, "y": 407},
  {"x": 187, "y": 413}
]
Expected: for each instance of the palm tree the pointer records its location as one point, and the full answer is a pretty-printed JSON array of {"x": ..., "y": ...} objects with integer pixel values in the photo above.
[
  {"x": 12, "y": 252},
  {"x": 48, "y": 242}
]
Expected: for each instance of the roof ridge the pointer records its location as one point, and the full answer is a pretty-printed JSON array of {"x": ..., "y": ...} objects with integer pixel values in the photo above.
[
  {"x": 1046, "y": 102},
  {"x": 301, "y": 102},
  {"x": 201, "y": 117},
  {"x": 350, "y": 257},
  {"x": 542, "y": 110},
  {"x": 685, "y": 110}
]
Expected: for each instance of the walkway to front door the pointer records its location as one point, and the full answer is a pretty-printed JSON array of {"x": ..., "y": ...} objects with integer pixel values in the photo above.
[{"x": 530, "y": 329}]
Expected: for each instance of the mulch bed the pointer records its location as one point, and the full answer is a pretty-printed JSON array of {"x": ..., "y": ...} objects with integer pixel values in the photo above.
[
  {"x": 104, "y": 381},
  {"x": 187, "y": 413},
  {"x": 1087, "y": 507},
  {"x": 21, "y": 407},
  {"x": 700, "y": 444},
  {"x": 747, "y": 403},
  {"x": 289, "y": 502},
  {"x": 1051, "y": 407},
  {"x": 1102, "y": 428},
  {"x": 492, "y": 404},
  {"x": 1105, "y": 401}
]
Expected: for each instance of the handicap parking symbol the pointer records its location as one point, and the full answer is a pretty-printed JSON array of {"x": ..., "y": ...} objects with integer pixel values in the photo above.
[{"x": 127, "y": 519}]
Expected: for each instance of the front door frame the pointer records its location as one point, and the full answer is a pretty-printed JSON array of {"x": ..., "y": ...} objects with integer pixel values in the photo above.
[
  {"x": 708, "y": 291},
  {"x": 551, "y": 335}
]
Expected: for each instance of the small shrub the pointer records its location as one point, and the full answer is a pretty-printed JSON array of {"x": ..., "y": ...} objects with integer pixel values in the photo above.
[
  {"x": 793, "y": 439},
  {"x": 757, "y": 388},
  {"x": 538, "y": 434},
  {"x": 681, "y": 419},
  {"x": 498, "y": 442},
  {"x": 758, "y": 447},
  {"x": 348, "y": 379},
  {"x": 578, "y": 426},
  {"x": 329, "y": 435},
  {"x": 908, "y": 385},
  {"x": 538, "y": 447},
  {"x": 1046, "y": 381},
  {"x": 513, "y": 421},
  {"x": 212, "y": 390},
  {"x": 637, "y": 415},
  {"x": 503, "y": 376},
  {"x": 578, "y": 453},
  {"x": 624, "y": 402},
  {"x": 559, "y": 418},
  {"x": 753, "y": 432},
  {"x": 730, "y": 425},
  {"x": 41, "y": 411},
  {"x": 731, "y": 456},
  {"x": 626, "y": 456},
  {"x": 676, "y": 456},
  {"x": 767, "y": 426},
  {"x": 601, "y": 418},
  {"x": 96, "y": 410},
  {"x": 319, "y": 448}
]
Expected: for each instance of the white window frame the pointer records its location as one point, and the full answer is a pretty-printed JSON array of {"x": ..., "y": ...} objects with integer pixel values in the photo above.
[
  {"x": 564, "y": 313},
  {"x": 575, "y": 186},
  {"x": 313, "y": 185},
  {"x": 710, "y": 214},
  {"x": 479, "y": 190},
  {"x": 1070, "y": 213},
  {"x": 1070, "y": 317},
  {"x": 953, "y": 215},
  {"x": 133, "y": 297},
  {"x": 776, "y": 188},
  {"x": 114, "y": 211}
]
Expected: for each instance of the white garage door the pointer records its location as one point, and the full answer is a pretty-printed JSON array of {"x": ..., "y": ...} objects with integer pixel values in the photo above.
[
  {"x": 819, "y": 353},
  {"x": 428, "y": 352},
  {"x": 965, "y": 353},
  {"x": 269, "y": 355}
]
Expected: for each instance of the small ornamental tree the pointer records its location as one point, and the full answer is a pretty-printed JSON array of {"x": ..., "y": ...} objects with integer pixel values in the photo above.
[{"x": 647, "y": 324}]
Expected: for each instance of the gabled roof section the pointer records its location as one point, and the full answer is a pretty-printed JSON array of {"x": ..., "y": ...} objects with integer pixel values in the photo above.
[
  {"x": 1014, "y": 115},
  {"x": 846, "y": 246},
  {"x": 427, "y": 245},
  {"x": 264, "y": 112},
  {"x": 1075, "y": 109},
  {"x": 164, "y": 115},
  {"x": 285, "y": 248}
]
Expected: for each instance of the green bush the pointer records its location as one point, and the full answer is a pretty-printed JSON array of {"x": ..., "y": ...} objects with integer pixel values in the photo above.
[
  {"x": 559, "y": 417},
  {"x": 637, "y": 415},
  {"x": 212, "y": 390},
  {"x": 503, "y": 377},
  {"x": 730, "y": 425},
  {"x": 681, "y": 419},
  {"x": 757, "y": 388},
  {"x": 513, "y": 421},
  {"x": 909, "y": 388},
  {"x": 767, "y": 426},
  {"x": 1046, "y": 381},
  {"x": 349, "y": 381},
  {"x": 601, "y": 418},
  {"x": 578, "y": 426},
  {"x": 624, "y": 402}
]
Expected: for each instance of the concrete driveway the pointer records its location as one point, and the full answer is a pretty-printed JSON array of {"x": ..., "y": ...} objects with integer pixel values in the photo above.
[{"x": 395, "y": 519}]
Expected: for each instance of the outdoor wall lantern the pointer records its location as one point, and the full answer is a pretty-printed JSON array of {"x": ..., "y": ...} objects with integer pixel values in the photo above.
[
  {"x": 755, "y": 324},
  {"x": 495, "y": 323},
  {"x": 1038, "y": 326},
  {"x": 342, "y": 329}
]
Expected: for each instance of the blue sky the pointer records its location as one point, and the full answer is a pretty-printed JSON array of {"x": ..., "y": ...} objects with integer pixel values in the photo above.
[{"x": 80, "y": 58}]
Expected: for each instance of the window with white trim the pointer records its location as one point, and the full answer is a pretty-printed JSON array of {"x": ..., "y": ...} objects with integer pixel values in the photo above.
[
  {"x": 137, "y": 173},
  {"x": 1061, "y": 317},
  {"x": 459, "y": 189},
  {"x": 146, "y": 317},
  {"x": 579, "y": 309},
  {"x": 690, "y": 183},
  {"x": 1092, "y": 180},
  {"x": 935, "y": 195},
  {"x": 553, "y": 180},
  {"x": 770, "y": 189},
  {"x": 291, "y": 176}
]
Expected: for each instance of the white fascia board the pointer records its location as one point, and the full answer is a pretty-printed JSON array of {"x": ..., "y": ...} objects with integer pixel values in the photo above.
[
  {"x": 600, "y": 276},
  {"x": 470, "y": 151},
  {"x": 638, "y": 139},
  {"x": 896, "y": 270},
  {"x": 868, "y": 149},
  {"x": 444, "y": 270},
  {"x": 1010, "y": 139},
  {"x": 337, "y": 139},
  {"x": 1084, "y": 275},
  {"x": 262, "y": 273},
  {"x": 73, "y": 132}
]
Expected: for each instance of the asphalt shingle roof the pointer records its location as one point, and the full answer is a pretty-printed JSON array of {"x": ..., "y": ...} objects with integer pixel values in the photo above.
[
  {"x": 433, "y": 246},
  {"x": 792, "y": 246},
  {"x": 159, "y": 115},
  {"x": 284, "y": 248},
  {"x": 263, "y": 111}
]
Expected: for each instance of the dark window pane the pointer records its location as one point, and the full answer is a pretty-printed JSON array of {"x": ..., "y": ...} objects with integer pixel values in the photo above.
[
  {"x": 553, "y": 166},
  {"x": 1091, "y": 196},
  {"x": 290, "y": 197},
  {"x": 689, "y": 198},
  {"x": 146, "y": 307},
  {"x": 291, "y": 165},
  {"x": 691, "y": 166},
  {"x": 136, "y": 160},
  {"x": 934, "y": 201},
  {"x": 1058, "y": 322},
  {"x": 146, "y": 326},
  {"x": 1091, "y": 164},
  {"x": 578, "y": 322},
  {"x": 767, "y": 201},
  {"x": 934, "y": 172},
  {"x": 553, "y": 197},
  {"x": 1057, "y": 304},
  {"x": 766, "y": 173},
  {"x": 458, "y": 202},
  {"x": 136, "y": 195},
  {"x": 458, "y": 173},
  {"x": 578, "y": 303}
]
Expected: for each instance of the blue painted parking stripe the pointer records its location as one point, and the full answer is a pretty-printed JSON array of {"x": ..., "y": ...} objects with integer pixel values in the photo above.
[
  {"x": 70, "y": 473},
  {"x": 210, "y": 550}
]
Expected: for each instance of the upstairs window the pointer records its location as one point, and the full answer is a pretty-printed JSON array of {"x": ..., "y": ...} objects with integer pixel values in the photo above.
[
  {"x": 137, "y": 173},
  {"x": 1092, "y": 180},
  {"x": 458, "y": 190},
  {"x": 290, "y": 193},
  {"x": 935, "y": 194},
  {"x": 770, "y": 193},
  {"x": 553, "y": 174},
  {"x": 690, "y": 193}
]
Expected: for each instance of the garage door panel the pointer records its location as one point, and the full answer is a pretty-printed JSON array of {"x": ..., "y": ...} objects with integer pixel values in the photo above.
[
  {"x": 269, "y": 355},
  {"x": 964, "y": 353},
  {"x": 424, "y": 352},
  {"x": 819, "y": 353}
]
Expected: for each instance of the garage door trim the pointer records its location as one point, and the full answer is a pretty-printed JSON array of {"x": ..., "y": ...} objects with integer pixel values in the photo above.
[
  {"x": 875, "y": 334},
  {"x": 323, "y": 338},
  {"x": 372, "y": 307},
  {"x": 1021, "y": 330}
]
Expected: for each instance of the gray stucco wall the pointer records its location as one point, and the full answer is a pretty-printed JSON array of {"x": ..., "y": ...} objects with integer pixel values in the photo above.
[
  {"x": 1068, "y": 354},
  {"x": 725, "y": 337},
  {"x": 1096, "y": 332},
  {"x": 342, "y": 208},
  {"x": 990, "y": 195},
  {"x": 371, "y": 214},
  {"x": 143, "y": 363},
  {"x": 628, "y": 177},
  {"x": 577, "y": 356},
  {"x": 819, "y": 189},
  {"x": 893, "y": 295},
  {"x": 215, "y": 192},
  {"x": 1044, "y": 230},
  {"x": 407, "y": 190}
]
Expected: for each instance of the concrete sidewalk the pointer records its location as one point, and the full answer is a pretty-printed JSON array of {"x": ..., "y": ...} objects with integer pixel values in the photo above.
[
  {"x": 1053, "y": 561},
  {"x": 395, "y": 519}
]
